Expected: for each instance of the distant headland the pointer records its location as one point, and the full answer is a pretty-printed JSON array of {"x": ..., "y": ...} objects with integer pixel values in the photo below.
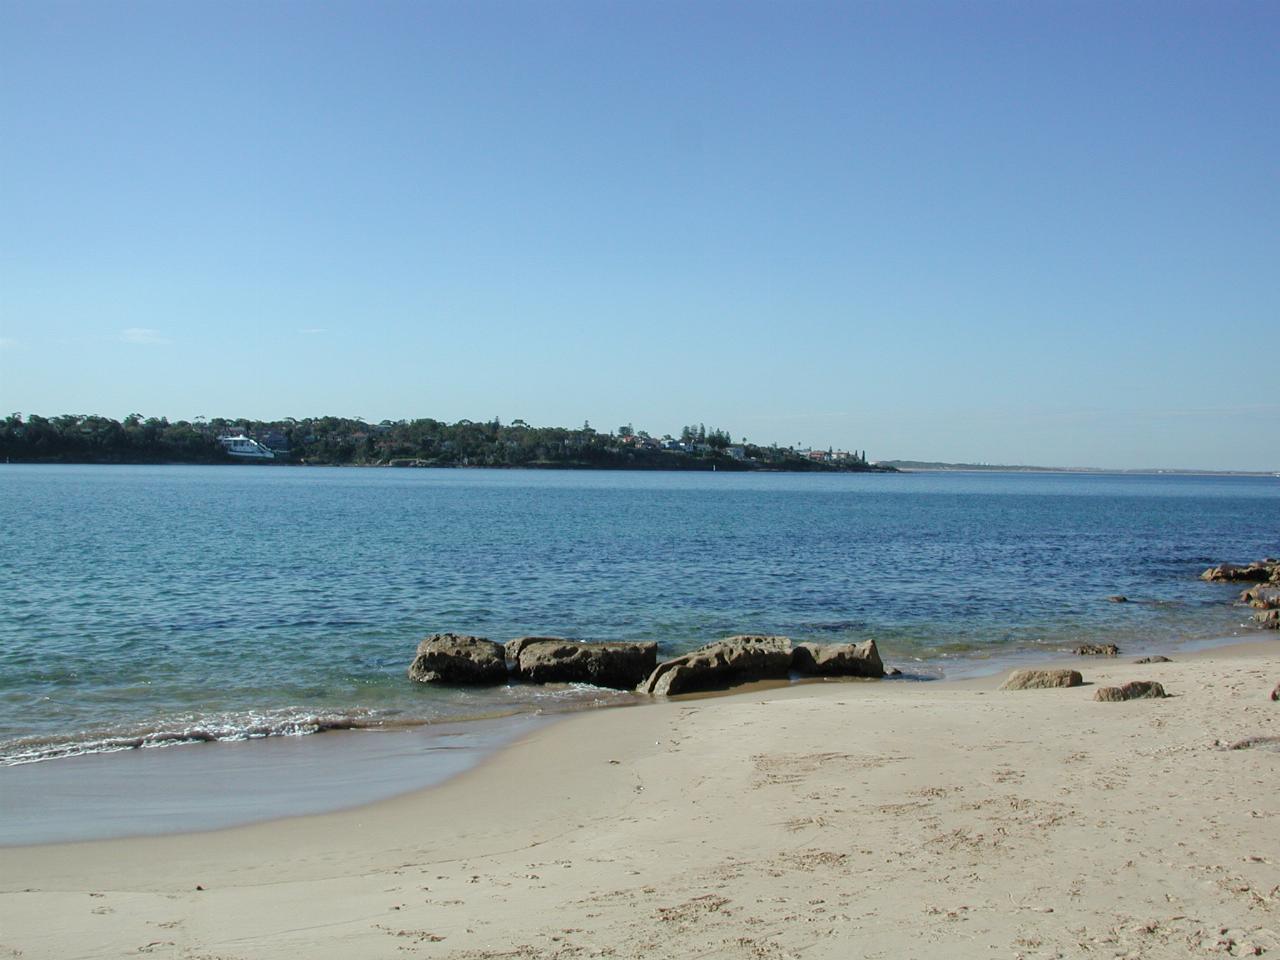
[{"x": 341, "y": 441}]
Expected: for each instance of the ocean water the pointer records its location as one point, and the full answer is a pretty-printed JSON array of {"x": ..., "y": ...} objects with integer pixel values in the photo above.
[{"x": 146, "y": 606}]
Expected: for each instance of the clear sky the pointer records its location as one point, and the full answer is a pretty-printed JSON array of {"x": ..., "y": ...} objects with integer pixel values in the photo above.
[{"x": 1015, "y": 232}]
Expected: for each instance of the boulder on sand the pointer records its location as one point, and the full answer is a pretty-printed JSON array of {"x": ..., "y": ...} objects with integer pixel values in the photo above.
[
  {"x": 458, "y": 658},
  {"x": 838, "y": 660},
  {"x": 618, "y": 665},
  {"x": 1156, "y": 659},
  {"x": 1038, "y": 679},
  {"x": 1133, "y": 690},
  {"x": 723, "y": 663}
]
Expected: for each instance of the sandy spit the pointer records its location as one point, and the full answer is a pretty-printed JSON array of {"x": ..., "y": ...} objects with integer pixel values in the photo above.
[{"x": 827, "y": 820}]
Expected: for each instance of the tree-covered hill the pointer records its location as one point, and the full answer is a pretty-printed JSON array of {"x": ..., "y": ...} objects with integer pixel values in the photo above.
[{"x": 79, "y": 438}]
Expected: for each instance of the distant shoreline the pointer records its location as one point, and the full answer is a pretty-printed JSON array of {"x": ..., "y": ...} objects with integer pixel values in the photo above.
[{"x": 917, "y": 466}]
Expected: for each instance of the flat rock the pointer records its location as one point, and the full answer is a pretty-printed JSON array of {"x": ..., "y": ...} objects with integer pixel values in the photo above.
[
  {"x": 1133, "y": 690},
  {"x": 1096, "y": 650},
  {"x": 618, "y": 665},
  {"x": 838, "y": 660},
  {"x": 726, "y": 662},
  {"x": 458, "y": 658},
  {"x": 1038, "y": 679},
  {"x": 1155, "y": 659}
]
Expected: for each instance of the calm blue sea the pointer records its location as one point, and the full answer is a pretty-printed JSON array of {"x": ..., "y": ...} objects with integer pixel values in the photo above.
[{"x": 153, "y": 605}]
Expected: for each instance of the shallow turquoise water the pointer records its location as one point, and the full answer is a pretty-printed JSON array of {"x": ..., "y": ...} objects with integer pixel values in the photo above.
[{"x": 153, "y": 604}]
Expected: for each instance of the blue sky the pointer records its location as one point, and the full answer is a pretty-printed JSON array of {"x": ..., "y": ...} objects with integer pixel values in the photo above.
[{"x": 1002, "y": 232}]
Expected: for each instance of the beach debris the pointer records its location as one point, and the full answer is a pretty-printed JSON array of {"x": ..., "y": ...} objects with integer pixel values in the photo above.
[
  {"x": 1275, "y": 694},
  {"x": 458, "y": 658},
  {"x": 1118, "y": 598},
  {"x": 1248, "y": 743},
  {"x": 1260, "y": 571},
  {"x": 738, "y": 659},
  {"x": 1133, "y": 690},
  {"x": 1096, "y": 650},
  {"x": 1042, "y": 679},
  {"x": 838, "y": 660},
  {"x": 1154, "y": 659},
  {"x": 618, "y": 665}
]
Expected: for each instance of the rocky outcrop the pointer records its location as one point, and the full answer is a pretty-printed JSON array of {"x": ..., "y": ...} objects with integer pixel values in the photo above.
[
  {"x": 1270, "y": 619},
  {"x": 618, "y": 665},
  {"x": 723, "y": 663},
  {"x": 1039, "y": 679},
  {"x": 458, "y": 658},
  {"x": 1155, "y": 659},
  {"x": 838, "y": 660},
  {"x": 1262, "y": 597},
  {"x": 1133, "y": 690},
  {"x": 1260, "y": 571},
  {"x": 1096, "y": 650}
]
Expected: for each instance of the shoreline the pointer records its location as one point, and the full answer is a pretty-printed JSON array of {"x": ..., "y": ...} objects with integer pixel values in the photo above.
[
  {"x": 827, "y": 818},
  {"x": 162, "y": 791}
]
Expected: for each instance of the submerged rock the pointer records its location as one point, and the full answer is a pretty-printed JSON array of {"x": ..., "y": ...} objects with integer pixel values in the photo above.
[
  {"x": 838, "y": 660},
  {"x": 1096, "y": 650},
  {"x": 1118, "y": 598},
  {"x": 1155, "y": 659},
  {"x": 1039, "y": 679},
  {"x": 618, "y": 665},
  {"x": 733, "y": 660},
  {"x": 1133, "y": 690},
  {"x": 458, "y": 658}
]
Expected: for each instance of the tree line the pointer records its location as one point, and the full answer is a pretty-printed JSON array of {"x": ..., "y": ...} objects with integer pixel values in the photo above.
[{"x": 84, "y": 438}]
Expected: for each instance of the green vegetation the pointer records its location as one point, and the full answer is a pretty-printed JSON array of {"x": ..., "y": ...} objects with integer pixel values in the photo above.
[{"x": 75, "y": 438}]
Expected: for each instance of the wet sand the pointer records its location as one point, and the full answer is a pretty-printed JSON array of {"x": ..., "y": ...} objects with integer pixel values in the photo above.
[{"x": 832, "y": 820}]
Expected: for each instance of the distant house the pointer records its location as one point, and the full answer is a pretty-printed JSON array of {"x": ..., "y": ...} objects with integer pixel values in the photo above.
[{"x": 275, "y": 440}]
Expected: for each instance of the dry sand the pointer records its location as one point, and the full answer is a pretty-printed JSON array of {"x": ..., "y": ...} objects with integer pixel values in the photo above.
[{"x": 828, "y": 820}]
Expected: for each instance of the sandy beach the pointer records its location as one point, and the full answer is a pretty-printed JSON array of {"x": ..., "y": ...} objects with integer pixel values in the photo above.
[{"x": 865, "y": 819}]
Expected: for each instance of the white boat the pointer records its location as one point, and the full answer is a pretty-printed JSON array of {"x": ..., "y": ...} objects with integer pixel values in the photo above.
[{"x": 242, "y": 446}]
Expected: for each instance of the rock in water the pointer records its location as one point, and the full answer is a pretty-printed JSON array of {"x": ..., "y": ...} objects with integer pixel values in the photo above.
[
  {"x": 1263, "y": 597},
  {"x": 458, "y": 658},
  {"x": 1096, "y": 650},
  {"x": 733, "y": 660},
  {"x": 1037, "y": 679},
  {"x": 1118, "y": 598},
  {"x": 838, "y": 660},
  {"x": 1133, "y": 690},
  {"x": 618, "y": 665},
  {"x": 1260, "y": 571},
  {"x": 1268, "y": 618},
  {"x": 1155, "y": 659},
  {"x": 513, "y": 647}
]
